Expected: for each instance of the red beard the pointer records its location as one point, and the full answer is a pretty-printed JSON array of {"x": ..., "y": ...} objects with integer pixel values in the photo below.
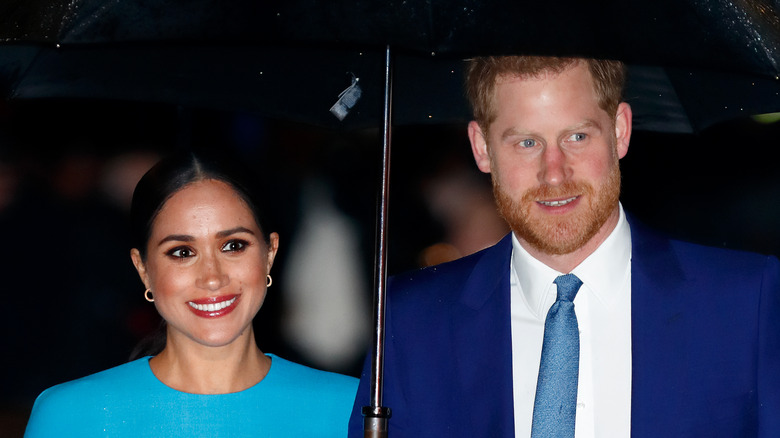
[{"x": 558, "y": 235}]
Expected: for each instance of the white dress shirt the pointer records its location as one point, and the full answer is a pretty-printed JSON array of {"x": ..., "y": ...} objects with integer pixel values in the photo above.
[{"x": 603, "y": 308}]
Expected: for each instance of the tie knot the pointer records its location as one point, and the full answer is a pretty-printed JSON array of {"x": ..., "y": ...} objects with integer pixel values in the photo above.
[{"x": 568, "y": 285}]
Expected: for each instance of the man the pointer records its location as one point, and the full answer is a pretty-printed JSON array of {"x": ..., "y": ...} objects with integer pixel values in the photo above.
[{"x": 671, "y": 339}]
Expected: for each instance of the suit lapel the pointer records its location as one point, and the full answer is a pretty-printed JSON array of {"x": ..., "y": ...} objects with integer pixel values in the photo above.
[
  {"x": 481, "y": 328},
  {"x": 657, "y": 317}
]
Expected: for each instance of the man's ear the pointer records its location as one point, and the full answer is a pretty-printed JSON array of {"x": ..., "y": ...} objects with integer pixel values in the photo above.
[
  {"x": 479, "y": 146},
  {"x": 138, "y": 262},
  {"x": 623, "y": 125}
]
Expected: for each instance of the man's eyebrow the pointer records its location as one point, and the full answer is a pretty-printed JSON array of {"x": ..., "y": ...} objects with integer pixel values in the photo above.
[
  {"x": 513, "y": 132},
  {"x": 586, "y": 124},
  {"x": 235, "y": 230}
]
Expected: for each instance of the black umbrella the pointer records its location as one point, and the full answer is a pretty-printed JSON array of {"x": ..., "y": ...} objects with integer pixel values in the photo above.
[
  {"x": 292, "y": 59},
  {"x": 693, "y": 63}
]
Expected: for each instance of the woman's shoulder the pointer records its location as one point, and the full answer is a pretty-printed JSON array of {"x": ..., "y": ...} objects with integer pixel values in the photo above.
[
  {"x": 68, "y": 403},
  {"x": 117, "y": 378},
  {"x": 291, "y": 388},
  {"x": 286, "y": 369},
  {"x": 291, "y": 374}
]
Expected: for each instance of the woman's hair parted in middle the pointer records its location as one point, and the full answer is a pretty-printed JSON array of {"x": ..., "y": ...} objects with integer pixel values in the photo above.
[{"x": 175, "y": 172}]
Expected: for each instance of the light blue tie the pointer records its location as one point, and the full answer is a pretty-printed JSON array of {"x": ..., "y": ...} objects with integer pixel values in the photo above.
[{"x": 555, "y": 406}]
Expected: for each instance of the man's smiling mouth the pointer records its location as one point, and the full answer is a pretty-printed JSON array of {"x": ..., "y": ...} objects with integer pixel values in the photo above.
[{"x": 558, "y": 203}]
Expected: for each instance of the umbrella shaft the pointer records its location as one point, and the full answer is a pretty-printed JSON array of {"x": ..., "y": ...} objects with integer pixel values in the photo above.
[{"x": 375, "y": 424}]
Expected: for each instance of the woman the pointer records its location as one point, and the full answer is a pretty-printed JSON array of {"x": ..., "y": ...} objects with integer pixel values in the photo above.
[{"x": 204, "y": 254}]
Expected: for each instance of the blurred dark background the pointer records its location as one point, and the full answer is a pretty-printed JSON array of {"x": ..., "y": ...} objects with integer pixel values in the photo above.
[{"x": 74, "y": 304}]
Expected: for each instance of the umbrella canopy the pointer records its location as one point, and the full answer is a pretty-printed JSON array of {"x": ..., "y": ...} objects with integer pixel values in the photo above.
[
  {"x": 694, "y": 62},
  {"x": 291, "y": 60},
  {"x": 719, "y": 33}
]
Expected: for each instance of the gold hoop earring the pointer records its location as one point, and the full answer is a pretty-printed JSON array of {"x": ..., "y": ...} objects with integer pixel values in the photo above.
[
  {"x": 268, "y": 280},
  {"x": 148, "y": 295}
]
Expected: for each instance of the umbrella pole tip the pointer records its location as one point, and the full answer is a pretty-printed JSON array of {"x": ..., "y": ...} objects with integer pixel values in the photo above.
[{"x": 375, "y": 421}]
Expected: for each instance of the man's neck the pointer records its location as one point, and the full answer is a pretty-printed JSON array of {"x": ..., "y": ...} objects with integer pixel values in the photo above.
[{"x": 565, "y": 263}]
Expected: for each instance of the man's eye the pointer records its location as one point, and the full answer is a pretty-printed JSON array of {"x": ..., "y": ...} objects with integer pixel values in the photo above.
[
  {"x": 577, "y": 137},
  {"x": 528, "y": 143},
  {"x": 180, "y": 252},
  {"x": 234, "y": 245}
]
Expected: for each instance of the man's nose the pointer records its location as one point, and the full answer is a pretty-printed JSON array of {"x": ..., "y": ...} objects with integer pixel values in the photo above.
[{"x": 554, "y": 169}]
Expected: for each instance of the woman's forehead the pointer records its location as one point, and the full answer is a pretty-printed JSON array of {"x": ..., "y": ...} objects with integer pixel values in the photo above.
[{"x": 202, "y": 200}]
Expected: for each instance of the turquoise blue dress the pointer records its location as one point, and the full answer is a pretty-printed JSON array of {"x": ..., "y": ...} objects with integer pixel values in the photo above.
[{"x": 129, "y": 401}]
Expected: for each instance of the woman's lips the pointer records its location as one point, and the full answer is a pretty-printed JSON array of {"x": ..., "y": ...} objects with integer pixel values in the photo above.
[{"x": 213, "y": 307}]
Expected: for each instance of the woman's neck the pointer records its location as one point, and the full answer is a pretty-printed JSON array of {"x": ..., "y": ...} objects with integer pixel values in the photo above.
[{"x": 191, "y": 367}]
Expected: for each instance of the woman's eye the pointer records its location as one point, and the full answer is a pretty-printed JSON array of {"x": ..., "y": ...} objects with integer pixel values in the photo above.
[
  {"x": 234, "y": 245},
  {"x": 180, "y": 252}
]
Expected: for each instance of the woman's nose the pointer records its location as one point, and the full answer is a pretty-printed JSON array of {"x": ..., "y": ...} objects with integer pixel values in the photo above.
[{"x": 212, "y": 276}]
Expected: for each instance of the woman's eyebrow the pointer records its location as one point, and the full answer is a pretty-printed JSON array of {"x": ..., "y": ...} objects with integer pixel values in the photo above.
[
  {"x": 235, "y": 230},
  {"x": 177, "y": 238},
  {"x": 220, "y": 235}
]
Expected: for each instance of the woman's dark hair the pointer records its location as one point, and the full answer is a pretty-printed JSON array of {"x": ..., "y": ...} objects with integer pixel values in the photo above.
[
  {"x": 159, "y": 184},
  {"x": 174, "y": 173}
]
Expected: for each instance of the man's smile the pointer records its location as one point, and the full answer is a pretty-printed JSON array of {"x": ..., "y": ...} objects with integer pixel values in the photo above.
[{"x": 558, "y": 203}]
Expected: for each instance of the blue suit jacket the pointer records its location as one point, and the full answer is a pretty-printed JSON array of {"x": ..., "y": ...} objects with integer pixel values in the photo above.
[{"x": 705, "y": 345}]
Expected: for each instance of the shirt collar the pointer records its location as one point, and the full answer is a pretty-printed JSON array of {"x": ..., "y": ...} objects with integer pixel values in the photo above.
[{"x": 603, "y": 272}]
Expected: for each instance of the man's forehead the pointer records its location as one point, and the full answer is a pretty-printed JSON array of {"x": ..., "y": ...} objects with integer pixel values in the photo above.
[
  {"x": 505, "y": 78},
  {"x": 540, "y": 72},
  {"x": 542, "y": 75}
]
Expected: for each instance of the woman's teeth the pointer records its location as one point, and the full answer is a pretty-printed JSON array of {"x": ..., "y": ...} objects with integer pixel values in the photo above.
[{"x": 212, "y": 307}]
